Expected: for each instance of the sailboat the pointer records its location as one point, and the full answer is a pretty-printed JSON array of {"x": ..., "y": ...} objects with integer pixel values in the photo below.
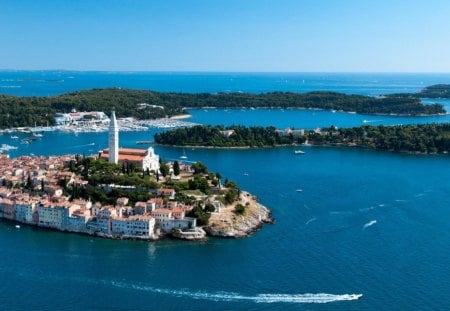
[{"x": 184, "y": 155}]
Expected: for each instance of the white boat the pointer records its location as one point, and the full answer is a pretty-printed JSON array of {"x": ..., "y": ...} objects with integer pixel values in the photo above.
[
  {"x": 299, "y": 190},
  {"x": 38, "y": 135},
  {"x": 17, "y": 226},
  {"x": 5, "y": 147},
  {"x": 299, "y": 152},
  {"x": 14, "y": 137},
  {"x": 184, "y": 155}
]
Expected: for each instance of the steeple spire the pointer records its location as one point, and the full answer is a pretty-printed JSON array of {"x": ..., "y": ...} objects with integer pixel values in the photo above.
[{"x": 113, "y": 136}]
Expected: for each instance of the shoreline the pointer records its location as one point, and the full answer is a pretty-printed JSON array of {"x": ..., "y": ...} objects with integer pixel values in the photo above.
[
  {"x": 125, "y": 125},
  {"x": 319, "y": 109},
  {"x": 348, "y": 145},
  {"x": 252, "y": 223}
]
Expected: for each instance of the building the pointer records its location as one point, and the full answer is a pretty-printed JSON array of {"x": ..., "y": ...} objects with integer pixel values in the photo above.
[
  {"x": 141, "y": 158},
  {"x": 145, "y": 159},
  {"x": 113, "y": 142},
  {"x": 133, "y": 226},
  {"x": 74, "y": 117}
]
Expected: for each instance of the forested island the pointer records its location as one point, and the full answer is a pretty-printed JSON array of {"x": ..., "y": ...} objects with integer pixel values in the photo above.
[
  {"x": 433, "y": 91},
  {"x": 424, "y": 138},
  {"x": 141, "y": 104}
]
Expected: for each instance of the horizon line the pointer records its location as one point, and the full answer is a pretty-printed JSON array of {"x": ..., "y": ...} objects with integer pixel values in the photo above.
[{"x": 225, "y": 71}]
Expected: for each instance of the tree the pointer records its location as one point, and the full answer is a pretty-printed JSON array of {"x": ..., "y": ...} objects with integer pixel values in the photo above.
[
  {"x": 29, "y": 184},
  {"x": 199, "y": 168},
  {"x": 164, "y": 168},
  {"x": 231, "y": 196},
  {"x": 176, "y": 168},
  {"x": 239, "y": 209},
  {"x": 209, "y": 208}
]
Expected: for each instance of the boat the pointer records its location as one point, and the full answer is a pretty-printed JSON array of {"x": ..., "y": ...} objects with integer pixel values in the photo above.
[
  {"x": 18, "y": 226},
  {"x": 184, "y": 155},
  {"x": 14, "y": 137},
  {"x": 38, "y": 135},
  {"x": 299, "y": 190},
  {"x": 299, "y": 152},
  {"x": 5, "y": 147}
]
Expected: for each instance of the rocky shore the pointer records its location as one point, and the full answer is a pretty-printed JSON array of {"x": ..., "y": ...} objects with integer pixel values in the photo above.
[{"x": 227, "y": 224}]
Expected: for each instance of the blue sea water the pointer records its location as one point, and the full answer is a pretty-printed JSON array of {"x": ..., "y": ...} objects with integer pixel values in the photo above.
[{"x": 370, "y": 223}]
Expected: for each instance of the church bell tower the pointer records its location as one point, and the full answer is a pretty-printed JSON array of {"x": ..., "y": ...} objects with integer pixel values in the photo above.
[{"x": 113, "y": 137}]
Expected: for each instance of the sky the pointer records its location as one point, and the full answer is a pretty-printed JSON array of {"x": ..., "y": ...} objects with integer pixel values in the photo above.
[{"x": 226, "y": 35}]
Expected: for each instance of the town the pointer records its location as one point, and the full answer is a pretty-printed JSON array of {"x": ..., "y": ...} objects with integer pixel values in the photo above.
[
  {"x": 50, "y": 208},
  {"x": 120, "y": 193}
]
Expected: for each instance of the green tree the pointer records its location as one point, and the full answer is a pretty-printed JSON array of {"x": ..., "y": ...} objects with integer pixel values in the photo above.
[
  {"x": 239, "y": 209},
  {"x": 164, "y": 168},
  {"x": 176, "y": 168}
]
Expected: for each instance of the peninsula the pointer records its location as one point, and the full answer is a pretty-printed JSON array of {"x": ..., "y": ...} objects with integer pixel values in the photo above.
[
  {"x": 91, "y": 196},
  {"x": 125, "y": 193},
  {"x": 425, "y": 138},
  {"x": 143, "y": 105}
]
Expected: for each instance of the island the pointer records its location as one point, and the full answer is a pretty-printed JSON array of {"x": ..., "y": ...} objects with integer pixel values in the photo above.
[
  {"x": 423, "y": 138},
  {"x": 432, "y": 91},
  {"x": 143, "y": 105}
]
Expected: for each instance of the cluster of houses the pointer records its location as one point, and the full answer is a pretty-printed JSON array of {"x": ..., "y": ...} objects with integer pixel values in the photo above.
[
  {"x": 75, "y": 117},
  {"x": 51, "y": 209}
]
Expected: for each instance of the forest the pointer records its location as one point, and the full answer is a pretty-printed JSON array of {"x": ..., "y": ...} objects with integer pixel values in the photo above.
[
  {"x": 432, "y": 91},
  {"x": 141, "y": 104},
  {"x": 424, "y": 138},
  {"x": 219, "y": 136}
]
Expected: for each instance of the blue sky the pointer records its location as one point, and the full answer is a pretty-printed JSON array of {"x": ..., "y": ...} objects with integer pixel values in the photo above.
[{"x": 226, "y": 35}]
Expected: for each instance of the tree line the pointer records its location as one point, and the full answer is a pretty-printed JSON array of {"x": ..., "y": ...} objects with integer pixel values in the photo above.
[
  {"x": 423, "y": 138},
  {"x": 219, "y": 136},
  {"x": 141, "y": 104}
]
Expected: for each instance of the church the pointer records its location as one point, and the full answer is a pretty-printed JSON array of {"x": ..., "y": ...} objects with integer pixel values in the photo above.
[{"x": 142, "y": 158}]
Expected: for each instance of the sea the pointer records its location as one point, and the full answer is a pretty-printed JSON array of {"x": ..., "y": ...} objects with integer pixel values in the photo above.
[{"x": 367, "y": 224}]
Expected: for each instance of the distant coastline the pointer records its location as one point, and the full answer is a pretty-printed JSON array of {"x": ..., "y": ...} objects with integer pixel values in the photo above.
[{"x": 144, "y": 105}]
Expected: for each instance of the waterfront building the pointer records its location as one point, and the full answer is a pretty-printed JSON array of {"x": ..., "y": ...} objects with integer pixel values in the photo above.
[
  {"x": 162, "y": 214},
  {"x": 74, "y": 117},
  {"x": 51, "y": 216},
  {"x": 133, "y": 226},
  {"x": 24, "y": 211},
  {"x": 182, "y": 224},
  {"x": 7, "y": 208}
]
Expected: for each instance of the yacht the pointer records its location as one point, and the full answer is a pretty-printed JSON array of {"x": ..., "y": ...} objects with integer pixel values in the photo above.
[{"x": 299, "y": 152}]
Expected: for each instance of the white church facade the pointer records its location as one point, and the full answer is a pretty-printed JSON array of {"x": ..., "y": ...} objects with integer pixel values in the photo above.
[{"x": 145, "y": 159}]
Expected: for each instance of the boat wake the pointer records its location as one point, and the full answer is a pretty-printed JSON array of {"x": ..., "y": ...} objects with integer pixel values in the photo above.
[
  {"x": 219, "y": 296},
  {"x": 311, "y": 220},
  {"x": 370, "y": 223},
  {"x": 232, "y": 297}
]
